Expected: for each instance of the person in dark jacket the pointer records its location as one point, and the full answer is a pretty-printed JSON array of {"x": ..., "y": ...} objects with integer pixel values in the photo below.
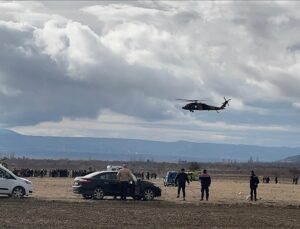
[
  {"x": 181, "y": 179},
  {"x": 254, "y": 181},
  {"x": 205, "y": 181}
]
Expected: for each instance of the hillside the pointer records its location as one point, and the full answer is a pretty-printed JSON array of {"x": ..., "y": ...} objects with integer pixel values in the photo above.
[
  {"x": 132, "y": 149},
  {"x": 292, "y": 159}
]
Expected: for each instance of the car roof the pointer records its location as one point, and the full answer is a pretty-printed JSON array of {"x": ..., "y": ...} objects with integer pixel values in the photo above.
[{"x": 90, "y": 175}]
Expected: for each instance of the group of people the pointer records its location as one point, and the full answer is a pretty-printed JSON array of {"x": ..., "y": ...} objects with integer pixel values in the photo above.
[
  {"x": 205, "y": 181},
  {"x": 26, "y": 172},
  {"x": 148, "y": 175},
  {"x": 182, "y": 178},
  {"x": 267, "y": 179}
]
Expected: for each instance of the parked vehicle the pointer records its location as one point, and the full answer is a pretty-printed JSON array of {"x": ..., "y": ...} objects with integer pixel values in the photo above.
[
  {"x": 169, "y": 179},
  {"x": 97, "y": 185},
  {"x": 193, "y": 176},
  {"x": 12, "y": 185},
  {"x": 113, "y": 167}
]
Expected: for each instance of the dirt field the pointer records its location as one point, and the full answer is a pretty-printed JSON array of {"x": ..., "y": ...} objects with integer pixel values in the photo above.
[
  {"x": 222, "y": 191},
  {"x": 53, "y": 205}
]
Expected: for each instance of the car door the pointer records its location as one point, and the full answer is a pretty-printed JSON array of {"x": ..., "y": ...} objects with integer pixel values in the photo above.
[
  {"x": 110, "y": 183},
  {"x": 6, "y": 182},
  {"x": 114, "y": 184}
]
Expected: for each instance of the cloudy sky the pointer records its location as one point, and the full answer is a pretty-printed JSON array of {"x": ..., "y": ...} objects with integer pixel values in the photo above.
[{"x": 115, "y": 69}]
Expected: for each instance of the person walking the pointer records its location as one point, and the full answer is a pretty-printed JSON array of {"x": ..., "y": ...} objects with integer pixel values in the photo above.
[
  {"x": 181, "y": 179},
  {"x": 124, "y": 176},
  {"x": 205, "y": 181},
  {"x": 254, "y": 181},
  {"x": 276, "y": 180}
]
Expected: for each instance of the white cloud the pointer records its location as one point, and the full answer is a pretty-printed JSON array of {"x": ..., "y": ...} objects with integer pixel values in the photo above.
[{"x": 142, "y": 57}]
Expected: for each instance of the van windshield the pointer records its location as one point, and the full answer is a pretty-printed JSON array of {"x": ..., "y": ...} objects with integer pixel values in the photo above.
[{"x": 172, "y": 175}]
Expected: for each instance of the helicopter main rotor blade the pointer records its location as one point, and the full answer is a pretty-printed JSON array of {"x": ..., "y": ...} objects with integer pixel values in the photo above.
[
  {"x": 227, "y": 99},
  {"x": 190, "y": 100}
]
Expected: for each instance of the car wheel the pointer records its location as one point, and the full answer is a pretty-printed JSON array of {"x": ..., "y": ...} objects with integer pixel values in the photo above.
[
  {"x": 18, "y": 192},
  {"x": 98, "y": 194},
  {"x": 148, "y": 194},
  {"x": 87, "y": 196}
]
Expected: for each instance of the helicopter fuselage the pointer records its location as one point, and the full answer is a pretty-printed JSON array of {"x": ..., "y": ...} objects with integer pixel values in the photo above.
[{"x": 200, "y": 106}]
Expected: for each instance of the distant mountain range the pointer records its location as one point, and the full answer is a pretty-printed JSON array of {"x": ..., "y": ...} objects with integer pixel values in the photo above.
[
  {"x": 131, "y": 149},
  {"x": 292, "y": 159}
]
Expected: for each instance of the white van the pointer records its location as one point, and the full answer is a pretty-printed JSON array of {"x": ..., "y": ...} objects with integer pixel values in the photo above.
[
  {"x": 12, "y": 185},
  {"x": 113, "y": 167}
]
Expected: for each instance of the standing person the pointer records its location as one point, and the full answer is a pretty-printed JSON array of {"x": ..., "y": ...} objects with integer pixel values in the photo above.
[
  {"x": 254, "y": 181},
  {"x": 124, "y": 176},
  {"x": 205, "y": 181},
  {"x": 276, "y": 180},
  {"x": 181, "y": 179}
]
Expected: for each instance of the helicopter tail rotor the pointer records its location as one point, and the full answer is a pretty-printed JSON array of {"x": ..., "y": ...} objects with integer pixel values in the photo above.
[
  {"x": 227, "y": 100},
  {"x": 226, "y": 103}
]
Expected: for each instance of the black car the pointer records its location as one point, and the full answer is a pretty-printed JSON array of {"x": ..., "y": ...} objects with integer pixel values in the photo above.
[{"x": 105, "y": 183}]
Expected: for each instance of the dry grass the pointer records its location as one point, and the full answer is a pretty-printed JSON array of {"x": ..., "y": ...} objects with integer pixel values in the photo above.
[
  {"x": 226, "y": 191},
  {"x": 221, "y": 191}
]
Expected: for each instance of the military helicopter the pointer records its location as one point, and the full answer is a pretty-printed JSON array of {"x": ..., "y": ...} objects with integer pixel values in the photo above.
[{"x": 198, "y": 105}]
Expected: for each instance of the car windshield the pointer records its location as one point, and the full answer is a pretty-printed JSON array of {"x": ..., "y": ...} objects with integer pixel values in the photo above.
[
  {"x": 4, "y": 174},
  {"x": 7, "y": 172}
]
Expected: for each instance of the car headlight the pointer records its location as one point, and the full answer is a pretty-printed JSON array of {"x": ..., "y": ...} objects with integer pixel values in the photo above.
[{"x": 28, "y": 182}]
